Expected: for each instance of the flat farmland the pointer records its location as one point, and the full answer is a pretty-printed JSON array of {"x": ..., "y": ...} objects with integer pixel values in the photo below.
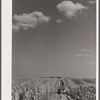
[{"x": 54, "y": 88}]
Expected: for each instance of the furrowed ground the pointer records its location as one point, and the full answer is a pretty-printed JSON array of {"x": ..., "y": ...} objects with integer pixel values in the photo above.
[{"x": 54, "y": 88}]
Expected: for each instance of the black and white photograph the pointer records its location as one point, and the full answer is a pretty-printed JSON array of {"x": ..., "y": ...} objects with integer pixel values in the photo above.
[{"x": 54, "y": 50}]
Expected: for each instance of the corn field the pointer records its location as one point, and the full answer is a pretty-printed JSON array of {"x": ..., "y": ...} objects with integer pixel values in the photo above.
[{"x": 53, "y": 89}]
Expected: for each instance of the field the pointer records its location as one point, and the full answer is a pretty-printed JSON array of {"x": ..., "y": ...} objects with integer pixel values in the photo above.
[{"x": 54, "y": 88}]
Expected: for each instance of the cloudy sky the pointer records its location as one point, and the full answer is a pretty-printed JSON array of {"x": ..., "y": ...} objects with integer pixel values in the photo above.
[{"x": 54, "y": 38}]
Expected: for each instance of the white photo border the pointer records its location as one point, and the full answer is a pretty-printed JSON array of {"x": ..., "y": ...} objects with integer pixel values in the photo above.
[{"x": 6, "y": 48}]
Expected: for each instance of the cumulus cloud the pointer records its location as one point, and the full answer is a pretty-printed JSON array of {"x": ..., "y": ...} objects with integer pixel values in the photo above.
[
  {"x": 31, "y": 20},
  {"x": 59, "y": 20},
  {"x": 85, "y": 56},
  {"x": 70, "y": 9},
  {"x": 92, "y": 1},
  {"x": 83, "y": 53},
  {"x": 84, "y": 50},
  {"x": 15, "y": 27},
  {"x": 79, "y": 55},
  {"x": 92, "y": 62}
]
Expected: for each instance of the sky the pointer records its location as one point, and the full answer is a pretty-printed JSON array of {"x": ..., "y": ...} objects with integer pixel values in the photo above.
[{"x": 54, "y": 38}]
